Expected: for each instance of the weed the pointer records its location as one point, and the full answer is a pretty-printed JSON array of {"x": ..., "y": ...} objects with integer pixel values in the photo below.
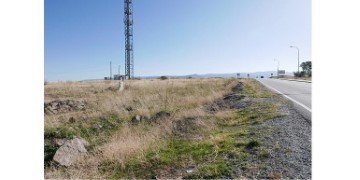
[
  {"x": 255, "y": 90},
  {"x": 49, "y": 152},
  {"x": 62, "y": 132},
  {"x": 214, "y": 171},
  {"x": 252, "y": 144},
  {"x": 274, "y": 175},
  {"x": 263, "y": 154},
  {"x": 255, "y": 114}
]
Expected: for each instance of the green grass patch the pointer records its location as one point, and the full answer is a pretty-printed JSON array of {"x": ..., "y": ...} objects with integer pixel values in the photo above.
[
  {"x": 63, "y": 132},
  {"x": 177, "y": 154},
  {"x": 254, "y": 89},
  {"x": 255, "y": 114},
  {"x": 95, "y": 131},
  {"x": 212, "y": 171},
  {"x": 49, "y": 152}
]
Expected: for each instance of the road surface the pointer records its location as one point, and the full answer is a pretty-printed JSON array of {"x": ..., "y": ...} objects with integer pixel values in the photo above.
[{"x": 297, "y": 92}]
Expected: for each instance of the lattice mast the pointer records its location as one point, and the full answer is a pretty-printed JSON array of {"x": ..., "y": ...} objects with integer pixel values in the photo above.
[{"x": 129, "y": 53}]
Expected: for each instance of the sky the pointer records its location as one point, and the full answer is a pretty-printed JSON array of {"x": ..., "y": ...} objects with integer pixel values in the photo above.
[{"x": 175, "y": 37}]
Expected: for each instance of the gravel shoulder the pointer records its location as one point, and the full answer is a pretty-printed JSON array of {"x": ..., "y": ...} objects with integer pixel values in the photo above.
[
  {"x": 287, "y": 140},
  {"x": 283, "y": 134}
]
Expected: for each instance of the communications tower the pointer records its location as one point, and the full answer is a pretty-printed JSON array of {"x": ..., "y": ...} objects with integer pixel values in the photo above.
[{"x": 129, "y": 53}]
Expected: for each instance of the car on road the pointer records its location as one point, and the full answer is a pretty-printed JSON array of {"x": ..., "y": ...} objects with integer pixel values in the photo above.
[{"x": 261, "y": 76}]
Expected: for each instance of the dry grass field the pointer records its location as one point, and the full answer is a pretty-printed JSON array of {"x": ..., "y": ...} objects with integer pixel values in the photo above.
[
  {"x": 167, "y": 129},
  {"x": 107, "y": 122}
]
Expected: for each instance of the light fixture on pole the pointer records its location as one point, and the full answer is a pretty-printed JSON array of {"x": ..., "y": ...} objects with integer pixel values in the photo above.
[
  {"x": 277, "y": 72},
  {"x": 298, "y": 57}
]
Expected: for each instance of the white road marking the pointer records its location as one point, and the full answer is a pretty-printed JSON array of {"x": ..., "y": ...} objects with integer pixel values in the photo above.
[{"x": 291, "y": 99}]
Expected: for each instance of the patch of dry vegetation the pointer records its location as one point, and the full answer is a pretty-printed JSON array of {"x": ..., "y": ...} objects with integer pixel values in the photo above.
[
  {"x": 106, "y": 122},
  {"x": 216, "y": 143}
]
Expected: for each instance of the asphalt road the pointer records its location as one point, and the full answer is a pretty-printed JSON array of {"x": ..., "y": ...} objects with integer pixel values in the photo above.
[{"x": 297, "y": 92}]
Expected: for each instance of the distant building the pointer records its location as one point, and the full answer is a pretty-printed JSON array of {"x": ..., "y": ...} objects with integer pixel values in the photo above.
[
  {"x": 281, "y": 73},
  {"x": 118, "y": 77}
]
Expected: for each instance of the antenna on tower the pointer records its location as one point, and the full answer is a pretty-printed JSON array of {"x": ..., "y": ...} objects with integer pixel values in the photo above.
[{"x": 129, "y": 54}]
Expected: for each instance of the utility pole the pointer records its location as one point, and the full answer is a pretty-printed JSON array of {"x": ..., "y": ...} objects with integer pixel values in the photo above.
[
  {"x": 277, "y": 74},
  {"x": 110, "y": 71},
  {"x": 298, "y": 58}
]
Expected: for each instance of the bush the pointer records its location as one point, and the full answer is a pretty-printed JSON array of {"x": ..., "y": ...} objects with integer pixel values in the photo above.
[
  {"x": 163, "y": 78},
  {"x": 252, "y": 144},
  {"x": 300, "y": 74}
]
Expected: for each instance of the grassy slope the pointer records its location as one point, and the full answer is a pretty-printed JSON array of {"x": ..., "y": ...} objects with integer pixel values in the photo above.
[
  {"x": 122, "y": 150},
  {"x": 106, "y": 122},
  {"x": 227, "y": 146}
]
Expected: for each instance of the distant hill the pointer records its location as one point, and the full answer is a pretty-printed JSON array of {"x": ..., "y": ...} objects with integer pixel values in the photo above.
[
  {"x": 266, "y": 74},
  {"x": 222, "y": 75}
]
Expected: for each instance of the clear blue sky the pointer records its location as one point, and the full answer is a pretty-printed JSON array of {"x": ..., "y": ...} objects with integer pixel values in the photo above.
[{"x": 175, "y": 37}]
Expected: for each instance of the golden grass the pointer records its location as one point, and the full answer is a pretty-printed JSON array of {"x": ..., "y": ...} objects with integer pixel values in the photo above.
[
  {"x": 180, "y": 97},
  {"x": 145, "y": 96}
]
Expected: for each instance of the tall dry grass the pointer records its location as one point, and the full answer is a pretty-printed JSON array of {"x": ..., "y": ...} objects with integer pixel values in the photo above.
[{"x": 180, "y": 97}]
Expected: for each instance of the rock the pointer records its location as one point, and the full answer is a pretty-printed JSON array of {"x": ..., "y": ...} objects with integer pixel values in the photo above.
[
  {"x": 64, "y": 106},
  {"x": 54, "y": 104},
  {"x": 85, "y": 143},
  {"x": 54, "y": 111},
  {"x": 129, "y": 108},
  {"x": 162, "y": 114},
  {"x": 99, "y": 126},
  {"x": 71, "y": 103},
  {"x": 59, "y": 142},
  {"x": 71, "y": 120},
  {"x": 158, "y": 117},
  {"x": 147, "y": 117},
  {"x": 47, "y": 111},
  {"x": 190, "y": 169},
  {"x": 70, "y": 151},
  {"x": 84, "y": 118},
  {"x": 136, "y": 119},
  {"x": 81, "y": 106},
  {"x": 121, "y": 86}
]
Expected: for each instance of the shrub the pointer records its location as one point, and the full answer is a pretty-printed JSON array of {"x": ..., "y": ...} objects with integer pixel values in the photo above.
[
  {"x": 163, "y": 77},
  {"x": 252, "y": 144},
  {"x": 300, "y": 74}
]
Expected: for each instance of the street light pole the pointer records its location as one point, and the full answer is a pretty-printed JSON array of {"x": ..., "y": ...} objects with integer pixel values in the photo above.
[
  {"x": 277, "y": 73},
  {"x": 298, "y": 58}
]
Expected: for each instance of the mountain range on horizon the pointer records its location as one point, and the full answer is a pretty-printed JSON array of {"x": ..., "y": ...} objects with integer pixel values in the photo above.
[
  {"x": 266, "y": 74},
  {"x": 222, "y": 75}
]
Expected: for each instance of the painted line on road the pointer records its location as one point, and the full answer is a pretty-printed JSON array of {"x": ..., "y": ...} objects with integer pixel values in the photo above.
[
  {"x": 291, "y": 99},
  {"x": 297, "y": 80}
]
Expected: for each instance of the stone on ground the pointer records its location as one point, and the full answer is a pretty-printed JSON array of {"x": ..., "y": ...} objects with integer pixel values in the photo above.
[{"x": 70, "y": 151}]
